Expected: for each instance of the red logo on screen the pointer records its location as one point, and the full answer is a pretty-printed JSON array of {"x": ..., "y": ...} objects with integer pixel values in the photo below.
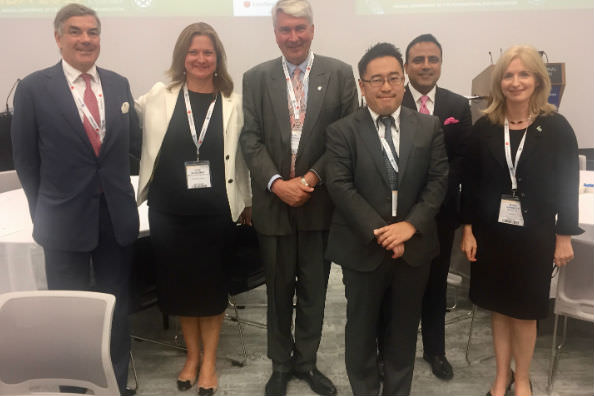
[{"x": 247, "y": 4}]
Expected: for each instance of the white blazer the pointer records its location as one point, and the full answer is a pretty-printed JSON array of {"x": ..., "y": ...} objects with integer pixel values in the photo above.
[{"x": 155, "y": 109}]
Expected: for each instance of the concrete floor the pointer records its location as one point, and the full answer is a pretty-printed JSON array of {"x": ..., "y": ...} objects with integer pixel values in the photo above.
[{"x": 158, "y": 366}]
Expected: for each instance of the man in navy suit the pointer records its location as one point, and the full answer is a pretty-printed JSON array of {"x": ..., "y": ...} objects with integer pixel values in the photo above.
[
  {"x": 73, "y": 128},
  {"x": 423, "y": 67}
]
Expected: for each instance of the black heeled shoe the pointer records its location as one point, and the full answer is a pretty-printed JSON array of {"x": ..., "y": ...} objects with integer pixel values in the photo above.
[
  {"x": 206, "y": 391},
  {"x": 184, "y": 385}
]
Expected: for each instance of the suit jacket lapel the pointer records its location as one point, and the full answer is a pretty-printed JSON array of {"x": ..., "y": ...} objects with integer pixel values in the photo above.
[
  {"x": 532, "y": 141},
  {"x": 368, "y": 133},
  {"x": 495, "y": 142},
  {"x": 62, "y": 97},
  {"x": 407, "y": 135},
  {"x": 227, "y": 107},
  {"x": 315, "y": 97},
  {"x": 112, "y": 108},
  {"x": 440, "y": 106},
  {"x": 408, "y": 100},
  {"x": 277, "y": 90}
]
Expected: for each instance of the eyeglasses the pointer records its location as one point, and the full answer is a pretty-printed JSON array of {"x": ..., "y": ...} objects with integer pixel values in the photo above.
[{"x": 377, "y": 82}]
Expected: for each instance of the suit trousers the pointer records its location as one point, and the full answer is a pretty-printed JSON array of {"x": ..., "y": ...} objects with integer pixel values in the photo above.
[
  {"x": 434, "y": 300},
  {"x": 396, "y": 289},
  {"x": 106, "y": 269},
  {"x": 294, "y": 265}
]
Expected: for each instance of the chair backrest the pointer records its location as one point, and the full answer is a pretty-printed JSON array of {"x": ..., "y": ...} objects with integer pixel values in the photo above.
[
  {"x": 50, "y": 338},
  {"x": 9, "y": 181},
  {"x": 575, "y": 289}
]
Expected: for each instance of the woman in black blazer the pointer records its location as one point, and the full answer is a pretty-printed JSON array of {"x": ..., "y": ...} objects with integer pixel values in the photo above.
[{"x": 520, "y": 208}]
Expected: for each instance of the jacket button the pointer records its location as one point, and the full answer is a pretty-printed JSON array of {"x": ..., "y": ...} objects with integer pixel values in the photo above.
[
  {"x": 519, "y": 179},
  {"x": 525, "y": 210},
  {"x": 227, "y": 157},
  {"x": 230, "y": 181},
  {"x": 522, "y": 195}
]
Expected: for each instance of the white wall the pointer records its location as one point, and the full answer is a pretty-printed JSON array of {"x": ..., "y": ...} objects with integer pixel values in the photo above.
[{"x": 141, "y": 48}]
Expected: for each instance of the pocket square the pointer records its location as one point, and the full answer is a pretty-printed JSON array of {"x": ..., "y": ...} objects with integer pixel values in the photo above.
[
  {"x": 450, "y": 120},
  {"x": 125, "y": 107}
]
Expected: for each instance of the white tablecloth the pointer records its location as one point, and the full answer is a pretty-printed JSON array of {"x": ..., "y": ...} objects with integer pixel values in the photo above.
[{"x": 21, "y": 259}]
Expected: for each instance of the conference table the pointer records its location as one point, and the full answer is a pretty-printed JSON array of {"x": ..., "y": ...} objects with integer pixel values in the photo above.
[{"x": 21, "y": 259}]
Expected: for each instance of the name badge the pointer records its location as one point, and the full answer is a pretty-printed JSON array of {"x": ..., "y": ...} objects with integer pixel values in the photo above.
[
  {"x": 295, "y": 138},
  {"x": 197, "y": 174},
  {"x": 394, "y": 202},
  {"x": 510, "y": 211}
]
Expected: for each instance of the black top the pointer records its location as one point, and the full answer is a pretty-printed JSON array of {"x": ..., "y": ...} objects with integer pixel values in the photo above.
[{"x": 168, "y": 190}]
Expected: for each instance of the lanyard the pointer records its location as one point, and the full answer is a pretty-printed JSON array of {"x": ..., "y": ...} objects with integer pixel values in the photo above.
[
  {"x": 386, "y": 146},
  {"x": 80, "y": 104},
  {"x": 294, "y": 102},
  {"x": 197, "y": 139},
  {"x": 510, "y": 165}
]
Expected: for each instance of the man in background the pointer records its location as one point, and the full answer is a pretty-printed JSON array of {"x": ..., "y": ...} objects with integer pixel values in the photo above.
[{"x": 423, "y": 67}]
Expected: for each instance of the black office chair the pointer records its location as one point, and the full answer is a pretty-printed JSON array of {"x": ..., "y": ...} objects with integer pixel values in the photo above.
[{"x": 245, "y": 273}]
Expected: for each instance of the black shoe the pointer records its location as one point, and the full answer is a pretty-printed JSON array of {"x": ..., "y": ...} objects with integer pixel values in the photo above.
[
  {"x": 509, "y": 386},
  {"x": 440, "y": 366},
  {"x": 277, "y": 384},
  {"x": 317, "y": 381},
  {"x": 128, "y": 392},
  {"x": 184, "y": 385},
  {"x": 206, "y": 391}
]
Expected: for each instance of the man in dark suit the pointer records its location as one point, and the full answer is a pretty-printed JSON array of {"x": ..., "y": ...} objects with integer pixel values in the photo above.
[
  {"x": 423, "y": 67},
  {"x": 386, "y": 173},
  {"x": 288, "y": 103},
  {"x": 72, "y": 130}
]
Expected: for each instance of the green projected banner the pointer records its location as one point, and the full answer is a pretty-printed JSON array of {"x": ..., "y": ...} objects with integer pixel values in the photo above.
[
  {"x": 379, "y": 7},
  {"x": 132, "y": 8}
]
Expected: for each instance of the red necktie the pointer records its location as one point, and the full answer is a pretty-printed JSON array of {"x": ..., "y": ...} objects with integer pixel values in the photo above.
[
  {"x": 300, "y": 97},
  {"x": 423, "y": 109},
  {"x": 91, "y": 102}
]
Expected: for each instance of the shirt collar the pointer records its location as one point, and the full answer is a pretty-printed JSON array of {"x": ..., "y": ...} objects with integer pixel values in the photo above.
[
  {"x": 72, "y": 74},
  {"x": 417, "y": 95},
  {"x": 375, "y": 116},
  {"x": 303, "y": 65}
]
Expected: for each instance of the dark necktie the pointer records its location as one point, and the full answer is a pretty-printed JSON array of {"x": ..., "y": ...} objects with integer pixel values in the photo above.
[
  {"x": 91, "y": 102},
  {"x": 388, "y": 121}
]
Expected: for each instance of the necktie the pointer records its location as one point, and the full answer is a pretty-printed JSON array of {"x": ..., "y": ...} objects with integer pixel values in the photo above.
[
  {"x": 296, "y": 125},
  {"x": 91, "y": 103},
  {"x": 423, "y": 109},
  {"x": 388, "y": 121}
]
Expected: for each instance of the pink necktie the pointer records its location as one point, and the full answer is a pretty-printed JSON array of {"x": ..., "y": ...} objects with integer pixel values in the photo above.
[
  {"x": 300, "y": 97},
  {"x": 423, "y": 109},
  {"x": 91, "y": 102}
]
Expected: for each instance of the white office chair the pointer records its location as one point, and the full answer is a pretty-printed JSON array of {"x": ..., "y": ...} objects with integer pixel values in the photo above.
[
  {"x": 55, "y": 338},
  {"x": 575, "y": 296},
  {"x": 9, "y": 181}
]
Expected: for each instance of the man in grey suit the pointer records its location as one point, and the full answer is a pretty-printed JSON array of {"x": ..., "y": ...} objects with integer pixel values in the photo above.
[
  {"x": 387, "y": 175},
  {"x": 288, "y": 103},
  {"x": 74, "y": 125}
]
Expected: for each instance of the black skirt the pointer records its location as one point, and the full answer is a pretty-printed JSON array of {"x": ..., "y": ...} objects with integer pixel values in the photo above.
[
  {"x": 192, "y": 253},
  {"x": 512, "y": 274}
]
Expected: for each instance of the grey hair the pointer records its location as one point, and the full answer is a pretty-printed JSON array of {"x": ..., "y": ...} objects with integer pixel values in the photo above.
[
  {"x": 294, "y": 8},
  {"x": 73, "y": 10}
]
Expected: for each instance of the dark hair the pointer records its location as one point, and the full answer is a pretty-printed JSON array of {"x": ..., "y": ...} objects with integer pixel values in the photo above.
[
  {"x": 379, "y": 50},
  {"x": 424, "y": 38},
  {"x": 73, "y": 10},
  {"x": 222, "y": 80}
]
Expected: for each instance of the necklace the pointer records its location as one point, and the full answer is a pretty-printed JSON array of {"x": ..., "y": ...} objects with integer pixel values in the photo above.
[{"x": 521, "y": 121}]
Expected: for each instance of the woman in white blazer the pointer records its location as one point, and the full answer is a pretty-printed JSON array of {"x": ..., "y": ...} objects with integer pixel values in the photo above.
[{"x": 197, "y": 185}]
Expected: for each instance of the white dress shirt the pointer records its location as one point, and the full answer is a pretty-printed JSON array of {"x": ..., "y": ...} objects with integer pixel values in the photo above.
[
  {"x": 417, "y": 98},
  {"x": 73, "y": 76}
]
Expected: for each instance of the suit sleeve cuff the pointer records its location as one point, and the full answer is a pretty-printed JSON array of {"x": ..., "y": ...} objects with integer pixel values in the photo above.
[{"x": 272, "y": 179}]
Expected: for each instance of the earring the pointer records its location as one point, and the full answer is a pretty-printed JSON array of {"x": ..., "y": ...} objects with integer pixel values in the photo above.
[{"x": 216, "y": 74}]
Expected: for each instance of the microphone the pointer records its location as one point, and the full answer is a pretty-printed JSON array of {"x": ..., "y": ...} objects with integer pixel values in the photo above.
[
  {"x": 18, "y": 80},
  {"x": 491, "y": 56}
]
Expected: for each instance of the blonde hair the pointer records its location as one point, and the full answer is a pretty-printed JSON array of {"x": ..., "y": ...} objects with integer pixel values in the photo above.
[
  {"x": 533, "y": 62},
  {"x": 177, "y": 72}
]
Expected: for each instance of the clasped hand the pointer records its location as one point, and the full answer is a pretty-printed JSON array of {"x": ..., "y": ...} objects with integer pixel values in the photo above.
[
  {"x": 393, "y": 236},
  {"x": 292, "y": 192}
]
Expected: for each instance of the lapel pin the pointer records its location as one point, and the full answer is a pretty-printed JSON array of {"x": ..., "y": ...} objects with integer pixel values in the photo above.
[
  {"x": 125, "y": 107},
  {"x": 539, "y": 129},
  {"x": 319, "y": 87}
]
